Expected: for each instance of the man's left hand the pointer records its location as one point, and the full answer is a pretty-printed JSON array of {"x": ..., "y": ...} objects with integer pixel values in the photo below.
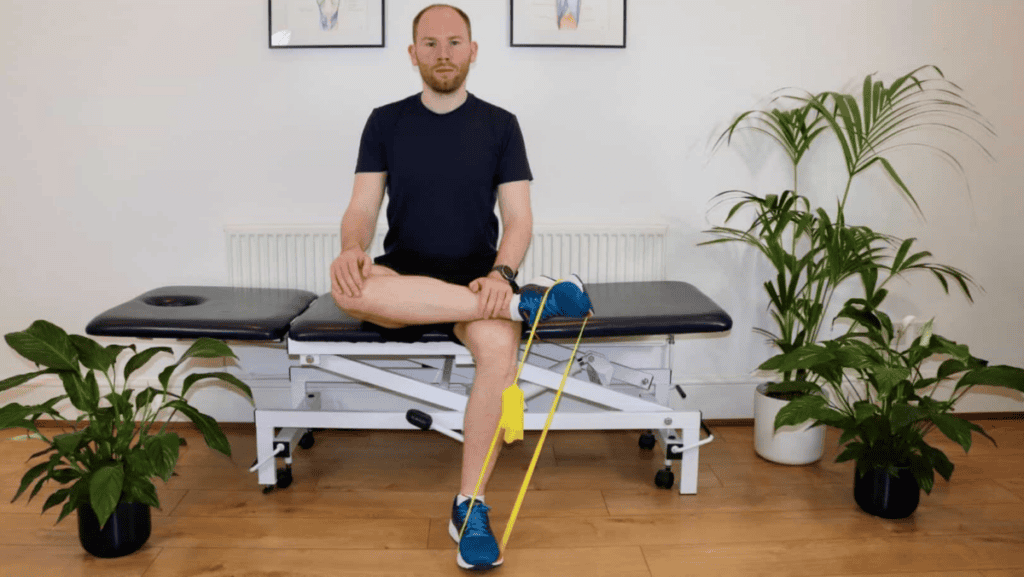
[{"x": 494, "y": 295}]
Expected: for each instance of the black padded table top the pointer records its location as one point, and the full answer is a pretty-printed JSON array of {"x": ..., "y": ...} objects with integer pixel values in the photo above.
[
  {"x": 621, "y": 309},
  {"x": 189, "y": 312}
]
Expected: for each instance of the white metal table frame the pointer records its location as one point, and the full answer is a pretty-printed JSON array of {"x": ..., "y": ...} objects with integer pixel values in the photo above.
[{"x": 677, "y": 431}]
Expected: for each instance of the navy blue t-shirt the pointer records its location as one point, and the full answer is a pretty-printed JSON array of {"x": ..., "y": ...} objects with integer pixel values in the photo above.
[{"x": 443, "y": 172}]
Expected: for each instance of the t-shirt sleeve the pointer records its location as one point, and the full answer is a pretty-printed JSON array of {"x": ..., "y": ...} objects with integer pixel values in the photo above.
[
  {"x": 513, "y": 165},
  {"x": 372, "y": 156}
]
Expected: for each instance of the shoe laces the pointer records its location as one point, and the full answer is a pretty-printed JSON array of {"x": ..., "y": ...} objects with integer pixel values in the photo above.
[{"x": 478, "y": 524}]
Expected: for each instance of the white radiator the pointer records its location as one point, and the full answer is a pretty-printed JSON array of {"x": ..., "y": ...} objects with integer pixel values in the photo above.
[{"x": 285, "y": 256}]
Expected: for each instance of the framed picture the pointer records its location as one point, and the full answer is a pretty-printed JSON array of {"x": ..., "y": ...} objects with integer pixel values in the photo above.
[
  {"x": 577, "y": 23},
  {"x": 326, "y": 23}
]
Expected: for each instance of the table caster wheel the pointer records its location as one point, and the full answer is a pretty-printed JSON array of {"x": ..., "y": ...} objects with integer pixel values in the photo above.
[
  {"x": 307, "y": 440},
  {"x": 664, "y": 479},
  {"x": 284, "y": 478},
  {"x": 647, "y": 441},
  {"x": 268, "y": 489}
]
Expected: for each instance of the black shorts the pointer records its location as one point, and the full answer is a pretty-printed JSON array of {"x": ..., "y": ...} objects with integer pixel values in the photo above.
[{"x": 460, "y": 271}]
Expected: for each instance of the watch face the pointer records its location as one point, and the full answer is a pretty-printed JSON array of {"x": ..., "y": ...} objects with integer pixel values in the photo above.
[{"x": 505, "y": 271}]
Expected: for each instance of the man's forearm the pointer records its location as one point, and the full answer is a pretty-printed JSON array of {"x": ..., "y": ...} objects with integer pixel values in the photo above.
[
  {"x": 515, "y": 240},
  {"x": 356, "y": 230}
]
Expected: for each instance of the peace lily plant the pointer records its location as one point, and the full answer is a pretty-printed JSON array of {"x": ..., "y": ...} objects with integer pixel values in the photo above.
[
  {"x": 813, "y": 251},
  {"x": 875, "y": 389},
  {"x": 120, "y": 441}
]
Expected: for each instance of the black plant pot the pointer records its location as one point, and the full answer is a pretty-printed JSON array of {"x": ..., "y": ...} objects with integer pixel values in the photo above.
[
  {"x": 126, "y": 531},
  {"x": 883, "y": 495}
]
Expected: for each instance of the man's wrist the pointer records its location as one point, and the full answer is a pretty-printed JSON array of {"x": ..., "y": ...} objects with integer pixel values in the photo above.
[{"x": 505, "y": 273}]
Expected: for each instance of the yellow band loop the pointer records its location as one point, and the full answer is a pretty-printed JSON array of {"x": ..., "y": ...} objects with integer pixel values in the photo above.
[
  {"x": 543, "y": 435},
  {"x": 504, "y": 408}
]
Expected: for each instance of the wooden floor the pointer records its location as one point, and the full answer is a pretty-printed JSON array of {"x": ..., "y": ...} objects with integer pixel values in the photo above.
[{"x": 376, "y": 503}]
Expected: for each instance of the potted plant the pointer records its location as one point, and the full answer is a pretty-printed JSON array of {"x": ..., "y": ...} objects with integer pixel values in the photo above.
[
  {"x": 877, "y": 392},
  {"x": 813, "y": 253},
  {"x": 106, "y": 462}
]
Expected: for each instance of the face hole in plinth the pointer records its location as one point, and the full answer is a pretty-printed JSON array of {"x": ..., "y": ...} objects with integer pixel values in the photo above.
[{"x": 174, "y": 301}]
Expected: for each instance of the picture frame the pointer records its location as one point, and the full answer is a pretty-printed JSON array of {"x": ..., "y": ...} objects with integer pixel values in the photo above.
[
  {"x": 326, "y": 23},
  {"x": 568, "y": 23}
]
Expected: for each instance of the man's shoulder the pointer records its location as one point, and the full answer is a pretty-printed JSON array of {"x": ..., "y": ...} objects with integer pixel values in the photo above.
[
  {"x": 484, "y": 107},
  {"x": 398, "y": 107}
]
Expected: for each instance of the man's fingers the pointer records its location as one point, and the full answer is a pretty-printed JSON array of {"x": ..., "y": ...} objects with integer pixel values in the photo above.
[
  {"x": 338, "y": 279},
  {"x": 367, "y": 266},
  {"x": 493, "y": 300},
  {"x": 354, "y": 277}
]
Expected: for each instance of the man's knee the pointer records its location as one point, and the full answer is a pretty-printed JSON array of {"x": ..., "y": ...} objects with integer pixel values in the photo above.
[
  {"x": 358, "y": 307},
  {"x": 494, "y": 343}
]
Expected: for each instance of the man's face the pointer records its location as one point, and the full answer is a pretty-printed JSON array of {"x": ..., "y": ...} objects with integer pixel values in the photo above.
[{"x": 443, "y": 50}]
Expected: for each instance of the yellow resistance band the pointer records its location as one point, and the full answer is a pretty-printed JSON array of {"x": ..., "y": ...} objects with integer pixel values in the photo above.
[{"x": 512, "y": 407}]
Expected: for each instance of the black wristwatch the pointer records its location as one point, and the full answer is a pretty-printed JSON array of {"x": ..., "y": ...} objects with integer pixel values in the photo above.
[{"x": 508, "y": 274}]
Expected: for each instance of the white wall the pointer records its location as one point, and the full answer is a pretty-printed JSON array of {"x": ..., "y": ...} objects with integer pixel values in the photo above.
[{"x": 133, "y": 131}]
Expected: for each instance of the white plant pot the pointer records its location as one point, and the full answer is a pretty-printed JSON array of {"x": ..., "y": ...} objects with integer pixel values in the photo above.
[{"x": 791, "y": 445}]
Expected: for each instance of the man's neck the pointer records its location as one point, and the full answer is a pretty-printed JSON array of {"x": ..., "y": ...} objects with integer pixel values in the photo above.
[{"x": 443, "y": 103}]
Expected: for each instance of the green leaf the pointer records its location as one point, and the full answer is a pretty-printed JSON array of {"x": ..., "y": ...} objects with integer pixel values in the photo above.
[
  {"x": 79, "y": 495},
  {"x": 165, "y": 376},
  {"x": 67, "y": 444},
  {"x": 226, "y": 377},
  {"x": 864, "y": 410},
  {"x": 105, "y": 491},
  {"x": 162, "y": 452},
  {"x": 77, "y": 391},
  {"x": 793, "y": 387},
  {"x": 114, "y": 351},
  {"x": 140, "y": 359},
  {"x": 887, "y": 377},
  {"x": 140, "y": 490},
  {"x": 45, "y": 344},
  {"x": 91, "y": 353},
  {"x": 207, "y": 348},
  {"x": 994, "y": 376},
  {"x": 853, "y": 451},
  {"x": 800, "y": 410},
  {"x": 29, "y": 477},
  {"x": 903, "y": 415},
  {"x": 950, "y": 367},
  {"x": 212, "y": 432},
  {"x": 957, "y": 429},
  {"x": 91, "y": 390},
  {"x": 146, "y": 397},
  {"x": 923, "y": 471},
  {"x": 17, "y": 380},
  {"x": 12, "y": 416},
  {"x": 938, "y": 460},
  {"x": 56, "y": 498},
  {"x": 804, "y": 357}
]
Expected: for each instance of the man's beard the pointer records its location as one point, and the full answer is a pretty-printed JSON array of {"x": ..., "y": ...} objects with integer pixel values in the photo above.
[{"x": 448, "y": 84}]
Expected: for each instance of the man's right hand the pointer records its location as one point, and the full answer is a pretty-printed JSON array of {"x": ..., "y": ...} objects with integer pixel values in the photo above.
[{"x": 349, "y": 270}]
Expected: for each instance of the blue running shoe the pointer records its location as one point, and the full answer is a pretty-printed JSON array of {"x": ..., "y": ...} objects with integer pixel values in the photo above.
[
  {"x": 568, "y": 298},
  {"x": 478, "y": 548}
]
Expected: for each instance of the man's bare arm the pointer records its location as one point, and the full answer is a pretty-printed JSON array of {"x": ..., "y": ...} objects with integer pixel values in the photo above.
[
  {"x": 360, "y": 220},
  {"x": 517, "y": 224},
  {"x": 357, "y": 229},
  {"x": 516, "y": 221}
]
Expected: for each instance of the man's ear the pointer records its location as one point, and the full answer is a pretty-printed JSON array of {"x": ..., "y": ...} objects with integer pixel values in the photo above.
[
  {"x": 412, "y": 54},
  {"x": 472, "y": 55}
]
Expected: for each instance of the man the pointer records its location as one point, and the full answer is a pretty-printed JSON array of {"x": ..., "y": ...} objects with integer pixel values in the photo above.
[{"x": 445, "y": 158}]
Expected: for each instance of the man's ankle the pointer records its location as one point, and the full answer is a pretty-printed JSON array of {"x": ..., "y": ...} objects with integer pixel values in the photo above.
[{"x": 462, "y": 498}]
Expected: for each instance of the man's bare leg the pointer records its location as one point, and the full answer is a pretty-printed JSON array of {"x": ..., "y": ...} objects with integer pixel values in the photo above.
[
  {"x": 494, "y": 344},
  {"x": 394, "y": 301}
]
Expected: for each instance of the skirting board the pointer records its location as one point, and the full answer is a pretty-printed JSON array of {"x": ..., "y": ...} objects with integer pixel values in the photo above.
[{"x": 719, "y": 401}]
